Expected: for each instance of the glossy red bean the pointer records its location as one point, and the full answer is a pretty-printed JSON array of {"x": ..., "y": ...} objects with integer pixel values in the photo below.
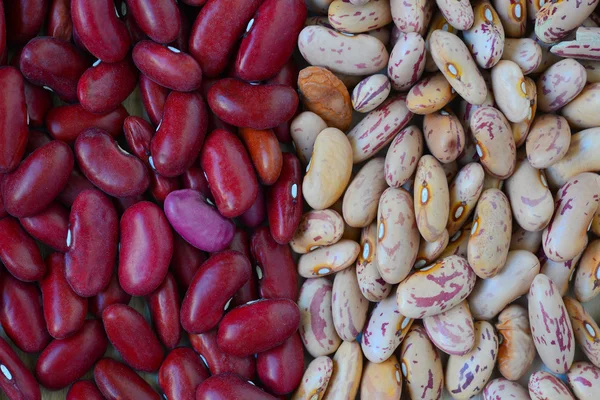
[
  {"x": 159, "y": 20},
  {"x": 36, "y": 139},
  {"x": 39, "y": 103},
  {"x": 248, "y": 292},
  {"x": 135, "y": 32},
  {"x": 21, "y": 314},
  {"x": 194, "y": 178},
  {"x": 180, "y": 135},
  {"x": 24, "y": 19},
  {"x": 84, "y": 390},
  {"x": 64, "y": 310},
  {"x": 282, "y": 131},
  {"x": 154, "y": 97},
  {"x": 257, "y": 327},
  {"x": 112, "y": 294},
  {"x": 229, "y": 387},
  {"x": 67, "y": 122},
  {"x": 100, "y": 30},
  {"x": 127, "y": 329},
  {"x": 256, "y": 214},
  {"x": 160, "y": 186},
  {"x": 263, "y": 148},
  {"x": 185, "y": 262},
  {"x": 19, "y": 253},
  {"x": 16, "y": 381},
  {"x": 281, "y": 369},
  {"x": 138, "y": 134},
  {"x": 76, "y": 184},
  {"x": 26, "y": 190},
  {"x": 109, "y": 167},
  {"x": 287, "y": 75},
  {"x": 219, "y": 362},
  {"x": 284, "y": 200},
  {"x": 104, "y": 86},
  {"x": 50, "y": 226},
  {"x": 181, "y": 373},
  {"x": 164, "y": 304},
  {"x": 117, "y": 381},
  {"x": 211, "y": 290},
  {"x": 94, "y": 229},
  {"x": 167, "y": 66},
  {"x": 54, "y": 64},
  {"x": 123, "y": 203},
  {"x": 13, "y": 119},
  {"x": 269, "y": 105},
  {"x": 60, "y": 24}
]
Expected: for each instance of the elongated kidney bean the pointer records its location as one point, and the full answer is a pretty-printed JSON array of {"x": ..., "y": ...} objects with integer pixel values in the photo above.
[
  {"x": 84, "y": 390},
  {"x": 516, "y": 351},
  {"x": 19, "y": 253},
  {"x": 100, "y": 30},
  {"x": 219, "y": 362},
  {"x": 280, "y": 369},
  {"x": 452, "y": 331},
  {"x": 284, "y": 200},
  {"x": 328, "y": 259},
  {"x": 154, "y": 97},
  {"x": 13, "y": 125},
  {"x": 271, "y": 105},
  {"x": 160, "y": 20},
  {"x": 94, "y": 236},
  {"x": 349, "y": 307},
  {"x": 60, "y": 24},
  {"x": 164, "y": 304},
  {"x": 229, "y": 387},
  {"x": 138, "y": 134},
  {"x": 67, "y": 122},
  {"x": 185, "y": 262},
  {"x": 24, "y": 19},
  {"x": 263, "y": 148},
  {"x": 16, "y": 381},
  {"x": 117, "y": 381},
  {"x": 258, "y": 326},
  {"x": 181, "y": 373},
  {"x": 50, "y": 226}
]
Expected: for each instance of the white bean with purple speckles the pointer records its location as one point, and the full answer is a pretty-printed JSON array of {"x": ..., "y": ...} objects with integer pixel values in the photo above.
[
  {"x": 485, "y": 38},
  {"x": 465, "y": 191},
  {"x": 452, "y": 331},
  {"x": 458, "y": 13},
  {"x": 370, "y": 282},
  {"x": 403, "y": 156},
  {"x": 349, "y": 307},
  {"x": 500, "y": 388},
  {"x": 560, "y": 84},
  {"x": 543, "y": 386},
  {"x": 315, "y": 380},
  {"x": 362, "y": 195},
  {"x": 352, "y": 18},
  {"x": 370, "y": 93},
  {"x": 407, "y": 61},
  {"x": 584, "y": 380}
]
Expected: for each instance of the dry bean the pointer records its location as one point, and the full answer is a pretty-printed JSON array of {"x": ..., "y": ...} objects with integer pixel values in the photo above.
[
  {"x": 452, "y": 331},
  {"x": 458, "y": 13},
  {"x": 554, "y": 21},
  {"x": 464, "y": 194},
  {"x": 485, "y": 38},
  {"x": 349, "y": 307},
  {"x": 304, "y": 131},
  {"x": 403, "y": 156},
  {"x": 381, "y": 381},
  {"x": 317, "y": 228},
  {"x": 362, "y": 196},
  {"x": 587, "y": 278},
  {"x": 544, "y": 385},
  {"x": 371, "y": 284},
  {"x": 431, "y": 192},
  {"x": 510, "y": 90},
  {"x": 407, "y": 61},
  {"x": 517, "y": 351},
  {"x": 430, "y": 94},
  {"x": 411, "y": 16},
  {"x": 444, "y": 135},
  {"x": 347, "y": 371},
  {"x": 521, "y": 129},
  {"x": 500, "y": 388},
  {"x": 315, "y": 380},
  {"x": 352, "y": 18},
  {"x": 548, "y": 140},
  {"x": 582, "y": 112},
  {"x": 525, "y": 52},
  {"x": 584, "y": 379},
  {"x": 560, "y": 84},
  {"x": 370, "y": 93},
  {"x": 328, "y": 259},
  {"x": 585, "y": 329},
  {"x": 430, "y": 251},
  {"x": 561, "y": 273},
  {"x": 525, "y": 240}
]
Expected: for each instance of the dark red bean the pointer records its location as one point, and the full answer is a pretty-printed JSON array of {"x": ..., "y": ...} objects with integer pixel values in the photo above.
[
  {"x": 280, "y": 369},
  {"x": 123, "y": 203},
  {"x": 288, "y": 75},
  {"x": 117, "y": 381},
  {"x": 100, "y": 30},
  {"x": 185, "y": 261},
  {"x": 3, "y": 212},
  {"x": 16, "y": 381},
  {"x": 195, "y": 3},
  {"x": 64, "y": 310},
  {"x": 181, "y": 373},
  {"x": 67, "y": 122},
  {"x": 50, "y": 226},
  {"x": 164, "y": 304},
  {"x": 108, "y": 166},
  {"x": 55, "y": 64},
  {"x": 219, "y": 362},
  {"x": 138, "y": 134},
  {"x": 104, "y": 86},
  {"x": 183, "y": 36},
  {"x": 21, "y": 314},
  {"x": 13, "y": 124},
  {"x": 229, "y": 173},
  {"x": 270, "y": 105},
  {"x": 160, "y": 186},
  {"x": 167, "y": 66},
  {"x": 154, "y": 97},
  {"x": 26, "y": 190},
  {"x": 3, "y": 52},
  {"x": 112, "y": 294},
  {"x": 94, "y": 229},
  {"x": 159, "y": 20},
  {"x": 258, "y": 326},
  {"x": 60, "y": 24},
  {"x": 282, "y": 131},
  {"x": 194, "y": 178},
  {"x": 39, "y": 103},
  {"x": 255, "y": 215},
  {"x": 212, "y": 288},
  {"x": 84, "y": 390},
  {"x": 265, "y": 153},
  {"x": 284, "y": 200},
  {"x": 24, "y": 19},
  {"x": 135, "y": 32},
  {"x": 19, "y": 253},
  {"x": 36, "y": 139},
  {"x": 76, "y": 184},
  {"x": 248, "y": 292},
  {"x": 230, "y": 387}
]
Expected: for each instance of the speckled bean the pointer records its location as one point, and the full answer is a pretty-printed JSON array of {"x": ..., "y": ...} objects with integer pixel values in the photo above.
[
  {"x": 585, "y": 329},
  {"x": 581, "y": 112},
  {"x": 587, "y": 277},
  {"x": 543, "y": 385},
  {"x": 370, "y": 282},
  {"x": 432, "y": 198},
  {"x": 430, "y": 251},
  {"x": 349, "y": 307},
  {"x": 458, "y": 243},
  {"x": 347, "y": 371},
  {"x": 500, "y": 388},
  {"x": 370, "y": 93},
  {"x": 513, "y": 16},
  {"x": 516, "y": 351},
  {"x": 328, "y": 259},
  {"x": 554, "y": 21},
  {"x": 304, "y": 130},
  {"x": 452, "y": 331},
  {"x": 560, "y": 84},
  {"x": 525, "y": 240},
  {"x": 548, "y": 140},
  {"x": 315, "y": 380},
  {"x": 381, "y": 381},
  {"x": 458, "y": 13},
  {"x": 584, "y": 380},
  {"x": 362, "y": 196},
  {"x": 485, "y": 38},
  {"x": 464, "y": 190},
  {"x": 510, "y": 90},
  {"x": 317, "y": 228},
  {"x": 430, "y": 94},
  {"x": 411, "y": 16},
  {"x": 561, "y": 272},
  {"x": 444, "y": 135},
  {"x": 403, "y": 156},
  {"x": 525, "y": 52},
  {"x": 407, "y": 61},
  {"x": 350, "y": 18},
  {"x": 521, "y": 129}
]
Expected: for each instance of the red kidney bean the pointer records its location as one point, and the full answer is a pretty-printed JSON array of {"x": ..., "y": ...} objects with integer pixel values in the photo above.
[
  {"x": 263, "y": 148},
  {"x": 36, "y": 139},
  {"x": 127, "y": 329},
  {"x": 282, "y": 131},
  {"x": 185, "y": 261},
  {"x": 284, "y": 200},
  {"x": 64, "y": 310},
  {"x": 135, "y": 32},
  {"x": 76, "y": 184},
  {"x": 60, "y": 24},
  {"x": 229, "y": 387},
  {"x": 287, "y": 75},
  {"x": 21, "y": 314},
  {"x": 138, "y": 134},
  {"x": 3, "y": 212},
  {"x": 39, "y": 103},
  {"x": 180, "y": 134},
  {"x": 16, "y": 381},
  {"x": 26, "y": 190},
  {"x": 258, "y": 326},
  {"x": 271, "y": 39},
  {"x": 183, "y": 36},
  {"x": 54, "y": 64},
  {"x": 117, "y": 381},
  {"x": 194, "y": 178},
  {"x": 275, "y": 266},
  {"x": 211, "y": 290},
  {"x": 181, "y": 373},
  {"x": 159, "y": 20},
  {"x": 94, "y": 229},
  {"x": 19, "y": 253},
  {"x": 104, "y": 86},
  {"x": 167, "y": 66},
  {"x": 164, "y": 304},
  {"x": 255, "y": 215},
  {"x": 160, "y": 187},
  {"x": 109, "y": 167},
  {"x": 24, "y": 19},
  {"x": 13, "y": 124},
  {"x": 84, "y": 390},
  {"x": 248, "y": 292},
  {"x": 219, "y": 362},
  {"x": 281, "y": 368},
  {"x": 100, "y": 30},
  {"x": 112, "y": 294},
  {"x": 123, "y": 203},
  {"x": 229, "y": 173},
  {"x": 154, "y": 97},
  {"x": 242, "y": 104},
  {"x": 67, "y": 122},
  {"x": 217, "y": 30},
  {"x": 50, "y": 226}
]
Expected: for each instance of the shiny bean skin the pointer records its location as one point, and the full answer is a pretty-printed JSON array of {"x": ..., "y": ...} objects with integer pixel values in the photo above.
[
  {"x": 164, "y": 304},
  {"x": 548, "y": 140},
  {"x": 60, "y": 24},
  {"x": 94, "y": 229},
  {"x": 516, "y": 351},
  {"x": 543, "y": 384},
  {"x": 317, "y": 228},
  {"x": 580, "y": 112},
  {"x": 560, "y": 84},
  {"x": 117, "y": 381},
  {"x": 370, "y": 282},
  {"x": 464, "y": 191},
  {"x": 185, "y": 262},
  {"x": 84, "y": 390},
  {"x": 524, "y": 240},
  {"x": 444, "y": 135},
  {"x": 587, "y": 276},
  {"x": 154, "y": 97},
  {"x": 432, "y": 198},
  {"x": 510, "y": 90},
  {"x": 159, "y": 20},
  {"x": 349, "y": 307},
  {"x": 452, "y": 331},
  {"x": 407, "y": 61},
  {"x": 485, "y": 38},
  {"x": 112, "y": 294},
  {"x": 315, "y": 380},
  {"x": 194, "y": 178},
  {"x": 430, "y": 251},
  {"x": 500, "y": 388},
  {"x": 362, "y": 195},
  {"x": 583, "y": 380},
  {"x": 284, "y": 204},
  {"x": 585, "y": 329},
  {"x": 24, "y": 19},
  {"x": 328, "y": 259},
  {"x": 19, "y": 252},
  {"x": 458, "y": 14},
  {"x": 402, "y": 157},
  {"x": 13, "y": 125},
  {"x": 263, "y": 148},
  {"x": 304, "y": 129},
  {"x": 554, "y": 22},
  {"x": 181, "y": 373},
  {"x": 381, "y": 381},
  {"x": 64, "y": 361},
  {"x": 230, "y": 387},
  {"x": 525, "y": 52},
  {"x": 49, "y": 226},
  {"x": 370, "y": 93},
  {"x": 280, "y": 369},
  {"x": 248, "y": 292},
  {"x": 430, "y": 94},
  {"x": 347, "y": 371},
  {"x": 19, "y": 383},
  {"x": 411, "y": 17}
]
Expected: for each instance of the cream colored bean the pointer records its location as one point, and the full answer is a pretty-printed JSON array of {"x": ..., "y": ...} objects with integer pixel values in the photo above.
[
  {"x": 347, "y": 371},
  {"x": 421, "y": 365},
  {"x": 525, "y": 52},
  {"x": 431, "y": 291},
  {"x": 432, "y": 198},
  {"x": 465, "y": 191},
  {"x": 548, "y": 58},
  {"x": 458, "y": 13},
  {"x": 466, "y": 110},
  {"x": 555, "y": 20},
  {"x": 561, "y": 273},
  {"x": 328, "y": 259},
  {"x": 592, "y": 69},
  {"x": 317, "y": 228},
  {"x": 430, "y": 94},
  {"x": 407, "y": 61},
  {"x": 584, "y": 380},
  {"x": 444, "y": 135},
  {"x": 525, "y": 240},
  {"x": 381, "y": 381},
  {"x": 411, "y": 16},
  {"x": 403, "y": 156},
  {"x": 490, "y": 296},
  {"x": 450, "y": 170},
  {"x": 350, "y": 18},
  {"x": 378, "y": 128},
  {"x": 452, "y": 331},
  {"x": 468, "y": 374},
  {"x": 457, "y": 244},
  {"x": 517, "y": 351},
  {"x": 430, "y": 251},
  {"x": 304, "y": 130},
  {"x": 576, "y": 203},
  {"x": 513, "y": 15},
  {"x": 587, "y": 278},
  {"x": 548, "y": 140},
  {"x": 371, "y": 285},
  {"x": 362, "y": 196},
  {"x": 370, "y": 93},
  {"x": 560, "y": 84},
  {"x": 329, "y": 169},
  {"x": 585, "y": 329},
  {"x": 485, "y": 38},
  {"x": 521, "y": 129},
  {"x": 348, "y": 305},
  {"x": 595, "y": 227},
  {"x": 352, "y": 55},
  {"x": 454, "y": 60},
  {"x": 438, "y": 22},
  {"x": 350, "y": 232},
  {"x": 320, "y": 6},
  {"x": 382, "y": 34},
  {"x": 385, "y": 330},
  {"x": 397, "y": 235},
  {"x": 544, "y": 385},
  {"x": 500, "y": 388},
  {"x": 315, "y": 380},
  {"x": 582, "y": 111},
  {"x": 490, "y": 234},
  {"x": 510, "y": 90},
  {"x": 575, "y": 49}
]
